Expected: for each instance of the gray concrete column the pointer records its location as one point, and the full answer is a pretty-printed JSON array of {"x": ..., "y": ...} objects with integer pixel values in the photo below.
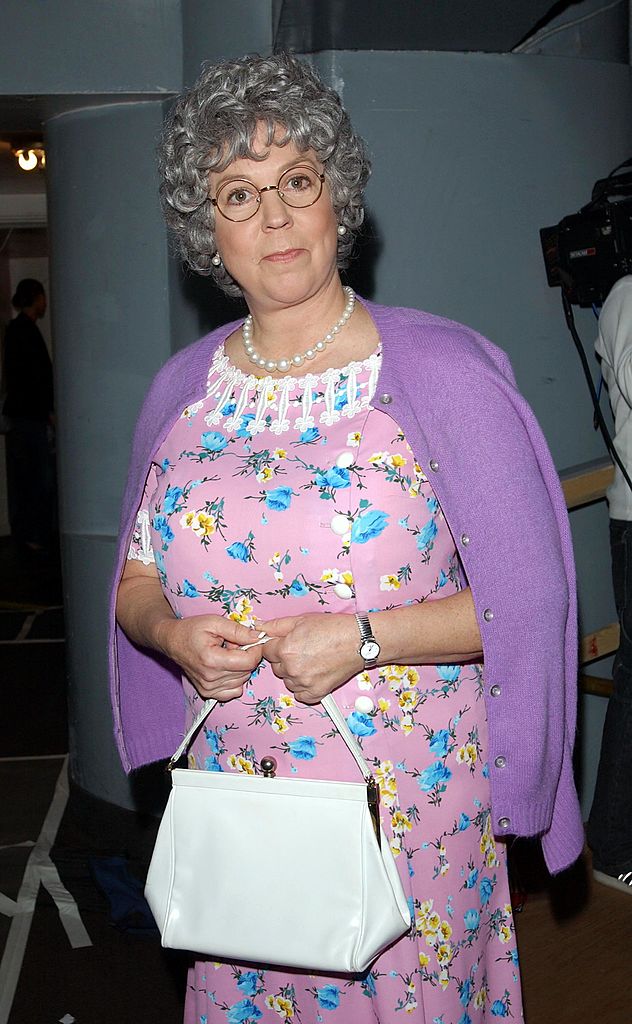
[{"x": 110, "y": 305}]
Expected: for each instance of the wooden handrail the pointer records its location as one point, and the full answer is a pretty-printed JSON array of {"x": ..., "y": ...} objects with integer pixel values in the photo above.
[
  {"x": 595, "y": 685},
  {"x": 587, "y": 482},
  {"x": 599, "y": 644}
]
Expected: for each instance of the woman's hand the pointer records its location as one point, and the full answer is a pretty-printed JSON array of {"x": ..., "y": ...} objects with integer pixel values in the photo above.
[
  {"x": 313, "y": 654},
  {"x": 197, "y": 644}
]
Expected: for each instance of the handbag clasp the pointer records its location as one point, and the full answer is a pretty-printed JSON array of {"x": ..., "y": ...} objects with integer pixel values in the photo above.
[{"x": 373, "y": 800}]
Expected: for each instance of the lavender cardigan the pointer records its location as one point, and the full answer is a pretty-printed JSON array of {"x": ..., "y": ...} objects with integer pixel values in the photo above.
[{"x": 454, "y": 395}]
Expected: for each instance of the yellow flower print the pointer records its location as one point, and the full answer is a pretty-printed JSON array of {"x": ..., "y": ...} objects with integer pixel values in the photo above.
[
  {"x": 383, "y": 704},
  {"x": 378, "y": 458},
  {"x": 396, "y": 846},
  {"x": 364, "y": 681},
  {"x": 412, "y": 676},
  {"x": 466, "y": 754},
  {"x": 419, "y": 472},
  {"x": 279, "y": 724},
  {"x": 388, "y": 792},
  {"x": 346, "y": 577},
  {"x": 413, "y": 490},
  {"x": 389, "y": 582},
  {"x": 504, "y": 934},
  {"x": 186, "y": 520},
  {"x": 480, "y": 998},
  {"x": 445, "y": 867},
  {"x": 264, "y": 474},
  {"x": 241, "y": 764},
  {"x": 407, "y": 699},
  {"x": 507, "y": 909},
  {"x": 400, "y": 823},
  {"x": 445, "y": 930},
  {"x": 280, "y": 1005},
  {"x": 329, "y": 575},
  {"x": 444, "y": 953},
  {"x": 397, "y": 461},
  {"x": 491, "y": 860},
  {"x": 354, "y": 438},
  {"x": 384, "y": 770},
  {"x": 407, "y": 724},
  {"x": 279, "y": 453},
  {"x": 433, "y": 922},
  {"x": 423, "y": 959},
  {"x": 242, "y": 612},
  {"x": 202, "y": 525},
  {"x": 286, "y": 700},
  {"x": 444, "y": 979}
]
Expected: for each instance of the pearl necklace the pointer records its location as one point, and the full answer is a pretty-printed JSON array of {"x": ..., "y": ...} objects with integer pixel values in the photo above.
[{"x": 285, "y": 364}]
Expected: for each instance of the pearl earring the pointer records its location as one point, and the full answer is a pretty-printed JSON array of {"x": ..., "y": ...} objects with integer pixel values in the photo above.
[
  {"x": 216, "y": 260},
  {"x": 342, "y": 230}
]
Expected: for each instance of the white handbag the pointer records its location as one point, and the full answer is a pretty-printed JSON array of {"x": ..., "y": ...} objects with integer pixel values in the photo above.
[{"x": 280, "y": 871}]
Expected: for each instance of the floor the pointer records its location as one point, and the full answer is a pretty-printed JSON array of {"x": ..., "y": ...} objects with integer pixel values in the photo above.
[{"x": 75, "y": 944}]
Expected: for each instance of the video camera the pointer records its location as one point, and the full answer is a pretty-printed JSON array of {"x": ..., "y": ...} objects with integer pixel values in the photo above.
[{"x": 588, "y": 251}]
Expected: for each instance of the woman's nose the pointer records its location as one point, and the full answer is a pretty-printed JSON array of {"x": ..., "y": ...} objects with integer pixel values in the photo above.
[{"x": 274, "y": 212}]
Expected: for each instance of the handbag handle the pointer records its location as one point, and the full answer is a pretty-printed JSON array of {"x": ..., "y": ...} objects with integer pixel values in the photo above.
[{"x": 330, "y": 707}]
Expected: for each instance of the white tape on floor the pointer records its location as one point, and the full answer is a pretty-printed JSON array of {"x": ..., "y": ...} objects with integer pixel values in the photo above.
[{"x": 39, "y": 871}]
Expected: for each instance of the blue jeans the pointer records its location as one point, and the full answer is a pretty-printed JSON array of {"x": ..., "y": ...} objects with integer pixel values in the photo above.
[{"x": 610, "y": 822}]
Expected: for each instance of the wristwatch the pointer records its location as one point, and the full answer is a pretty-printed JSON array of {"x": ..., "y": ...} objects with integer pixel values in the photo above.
[{"x": 369, "y": 649}]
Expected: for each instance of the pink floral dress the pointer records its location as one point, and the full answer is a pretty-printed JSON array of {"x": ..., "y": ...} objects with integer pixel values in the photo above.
[{"x": 277, "y": 497}]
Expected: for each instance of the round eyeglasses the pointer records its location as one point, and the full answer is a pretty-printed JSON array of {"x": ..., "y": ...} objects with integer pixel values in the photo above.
[{"x": 238, "y": 199}]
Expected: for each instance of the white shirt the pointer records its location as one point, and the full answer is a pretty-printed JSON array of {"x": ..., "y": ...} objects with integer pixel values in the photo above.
[{"x": 614, "y": 345}]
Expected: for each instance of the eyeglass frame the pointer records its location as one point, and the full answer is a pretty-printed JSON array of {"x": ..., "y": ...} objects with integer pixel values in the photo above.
[{"x": 268, "y": 188}]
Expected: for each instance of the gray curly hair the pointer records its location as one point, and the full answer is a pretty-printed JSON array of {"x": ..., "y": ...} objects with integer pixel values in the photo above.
[{"x": 216, "y": 122}]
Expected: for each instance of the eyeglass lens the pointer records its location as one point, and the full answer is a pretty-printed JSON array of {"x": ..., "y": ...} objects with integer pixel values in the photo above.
[{"x": 239, "y": 199}]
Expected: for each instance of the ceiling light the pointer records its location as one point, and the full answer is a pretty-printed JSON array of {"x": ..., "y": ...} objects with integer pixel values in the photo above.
[{"x": 31, "y": 158}]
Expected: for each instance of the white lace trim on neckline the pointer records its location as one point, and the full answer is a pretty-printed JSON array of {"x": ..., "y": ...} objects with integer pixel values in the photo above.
[{"x": 271, "y": 395}]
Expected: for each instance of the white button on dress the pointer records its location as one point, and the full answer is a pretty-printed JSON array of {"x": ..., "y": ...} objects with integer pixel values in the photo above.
[
  {"x": 343, "y": 590},
  {"x": 340, "y": 525},
  {"x": 345, "y": 459},
  {"x": 364, "y": 705}
]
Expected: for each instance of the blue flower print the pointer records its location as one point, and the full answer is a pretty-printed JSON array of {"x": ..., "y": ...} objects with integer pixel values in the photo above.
[
  {"x": 464, "y": 822},
  {"x": 298, "y": 588},
  {"x": 334, "y": 477},
  {"x": 499, "y": 1008},
  {"x": 341, "y": 398},
  {"x": 439, "y": 742},
  {"x": 228, "y": 408},
  {"x": 434, "y": 775},
  {"x": 471, "y": 919},
  {"x": 443, "y": 579},
  {"x": 309, "y": 435},
  {"x": 449, "y": 672},
  {"x": 303, "y": 748},
  {"x": 369, "y": 988},
  {"x": 279, "y": 499},
  {"x": 208, "y": 576},
  {"x": 426, "y": 536},
  {"x": 213, "y": 441},
  {"x": 361, "y": 724},
  {"x": 244, "y": 1010},
  {"x": 159, "y": 558},
  {"x": 213, "y": 740},
  {"x": 189, "y": 589},
  {"x": 471, "y": 879},
  {"x": 328, "y": 997},
  {"x": 466, "y": 992},
  {"x": 244, "y": 430},
  {"x": 432, "y": 505},
  {"x": 368, "y": 526},
  {"x": 211, "y": 764},
  {"x": 164, "y": 465},
  {"x": 248, "y": 983},
  {"x": 162, "y": 527},
  {"x": 239, "y": 551},
  {"x": 486, "y": 889},
  {"x": 513, "y": 954},
  {"x": 172, "y": 498},
  {"x": 464, "y": 1019}
]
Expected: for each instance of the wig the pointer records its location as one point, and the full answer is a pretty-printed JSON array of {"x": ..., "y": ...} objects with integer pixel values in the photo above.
[{"x": 216, "y": 122}]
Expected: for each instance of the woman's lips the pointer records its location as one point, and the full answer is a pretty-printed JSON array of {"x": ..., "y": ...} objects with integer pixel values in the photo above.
[{"x": 286, "y": 256}]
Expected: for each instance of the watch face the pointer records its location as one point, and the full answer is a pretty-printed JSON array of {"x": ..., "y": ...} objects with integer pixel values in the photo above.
[{"x": 370, "y": 650}]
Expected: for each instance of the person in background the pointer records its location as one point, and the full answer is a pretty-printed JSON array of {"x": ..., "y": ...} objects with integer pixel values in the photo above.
[
  {"x": 364, "y": 483},
  {"x": 610, "y": 822},
  {"x": 28, "y": 410}
]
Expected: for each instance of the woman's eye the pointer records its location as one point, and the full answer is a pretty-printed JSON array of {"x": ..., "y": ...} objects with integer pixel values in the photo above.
[
  {"x": 239, "y": 196},
  {"x": 299, "y": 183}
]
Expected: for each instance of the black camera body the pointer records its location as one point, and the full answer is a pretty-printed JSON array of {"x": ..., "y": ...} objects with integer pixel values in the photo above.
[{"x": 588, "y": 251}]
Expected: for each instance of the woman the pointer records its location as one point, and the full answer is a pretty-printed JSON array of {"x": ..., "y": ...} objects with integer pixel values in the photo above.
[
  {"x": 28, "y": 407},
  {"x": 366, "y": 485}
]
